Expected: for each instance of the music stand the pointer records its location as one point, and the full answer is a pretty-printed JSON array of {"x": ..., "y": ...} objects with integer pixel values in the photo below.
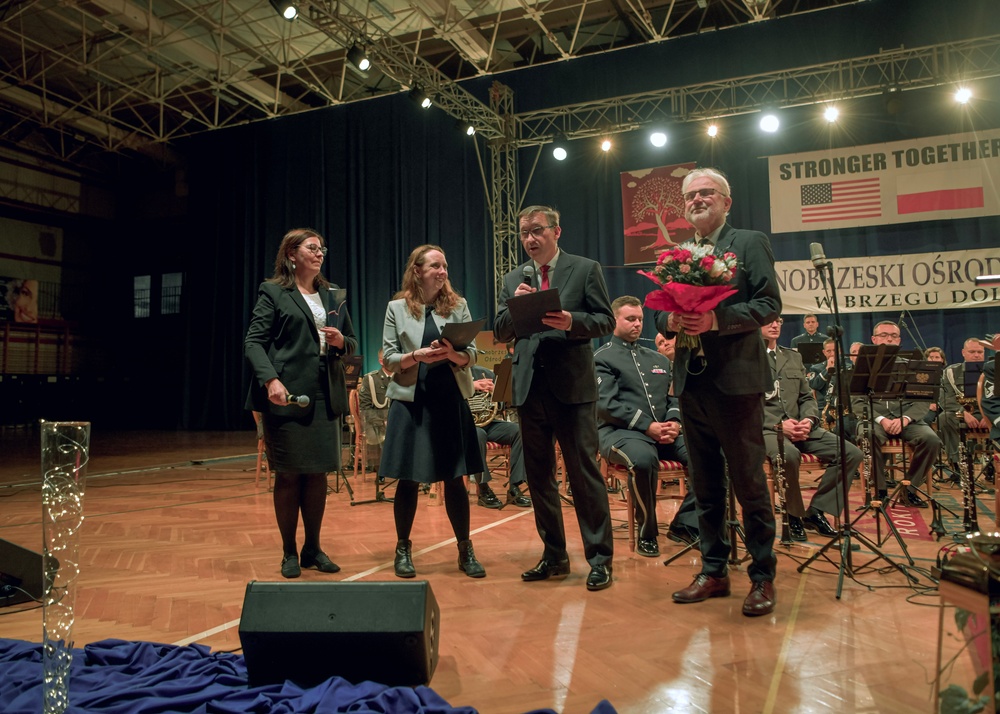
[
  {"x": 871, "y": 375},
  {"x": 812, "y": 353}
]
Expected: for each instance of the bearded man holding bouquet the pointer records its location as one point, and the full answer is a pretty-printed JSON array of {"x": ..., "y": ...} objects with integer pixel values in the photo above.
[{"x": 720, "y": 382}]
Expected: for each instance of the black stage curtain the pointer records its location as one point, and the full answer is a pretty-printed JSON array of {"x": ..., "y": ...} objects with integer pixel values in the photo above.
[{"x": 378, "y": 178}]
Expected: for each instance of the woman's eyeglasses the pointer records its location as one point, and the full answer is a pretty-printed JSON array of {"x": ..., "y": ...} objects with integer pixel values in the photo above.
[{"x": 314, "y": 249}]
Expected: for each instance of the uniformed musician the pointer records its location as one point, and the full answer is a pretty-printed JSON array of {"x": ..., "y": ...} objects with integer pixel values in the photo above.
[{"x": 636, "y": 413}]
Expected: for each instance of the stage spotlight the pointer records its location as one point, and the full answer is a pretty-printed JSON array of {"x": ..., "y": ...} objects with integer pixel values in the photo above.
[
  {"x": 418, "y": 96},
  {"x": 286, "y": 8},
  {"x": 963, "y": 95},
  {"x": 466, "y": 127},
  {"x": 658, "y": 139},
  {"x": 606, "y": 145},
  {"x": 559, "y": 148},
  {"x": 712, "y": 131},
  {"x": 769, "y": 123},
  {"x": 358, "y": 58},
  {"x": 831, "y": 113}
]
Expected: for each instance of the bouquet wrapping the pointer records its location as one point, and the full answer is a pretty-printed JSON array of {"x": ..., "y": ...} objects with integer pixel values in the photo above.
[{"x": 691, "y": 279}]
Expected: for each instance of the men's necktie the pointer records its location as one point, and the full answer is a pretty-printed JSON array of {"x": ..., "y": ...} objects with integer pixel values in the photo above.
[
  {"x": 774, "y": 364},
  {"x": 545, "y": 277}
]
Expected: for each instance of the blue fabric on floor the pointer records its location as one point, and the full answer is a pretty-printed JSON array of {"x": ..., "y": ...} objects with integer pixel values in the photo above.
[{"x": 119, "y": 677}]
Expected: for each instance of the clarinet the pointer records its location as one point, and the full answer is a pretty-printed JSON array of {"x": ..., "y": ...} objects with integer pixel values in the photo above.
[
  {"x": 779, "y": 484},
  {"x": 970, "y": 520},
  {"x": 864, "y": 442}
]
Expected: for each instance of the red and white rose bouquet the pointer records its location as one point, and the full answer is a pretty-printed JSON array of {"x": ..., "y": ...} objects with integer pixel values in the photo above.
[{"x": 691, "y": 279}]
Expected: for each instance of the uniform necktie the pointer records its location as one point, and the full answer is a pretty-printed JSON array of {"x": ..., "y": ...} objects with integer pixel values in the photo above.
[
  {"x": 545, "y": 277},
  {"x": 774, "y": 364}
]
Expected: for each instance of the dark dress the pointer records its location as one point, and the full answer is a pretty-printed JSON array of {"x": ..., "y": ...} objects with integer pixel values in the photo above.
[
  {"x": 432, "y": 438},
  {"x": 308, "y": 442}
]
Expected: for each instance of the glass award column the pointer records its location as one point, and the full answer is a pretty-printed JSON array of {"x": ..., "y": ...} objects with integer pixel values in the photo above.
[{"x": 65, "y": 453}]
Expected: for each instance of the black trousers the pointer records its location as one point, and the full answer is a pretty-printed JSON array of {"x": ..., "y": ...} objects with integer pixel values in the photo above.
[
  {"x": 723, "y": 429},
  {"x": 544, "y": 419}
]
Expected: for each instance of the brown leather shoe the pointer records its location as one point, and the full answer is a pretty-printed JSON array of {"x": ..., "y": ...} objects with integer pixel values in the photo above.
[
  {"x": 702, "y": 588},
  {"x": 761, "y": 599}
]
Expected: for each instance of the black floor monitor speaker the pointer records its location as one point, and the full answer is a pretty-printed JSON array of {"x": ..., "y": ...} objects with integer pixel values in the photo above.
[
  {"x": 384, "y": 632},
  {"x": 21, "y": 577}
]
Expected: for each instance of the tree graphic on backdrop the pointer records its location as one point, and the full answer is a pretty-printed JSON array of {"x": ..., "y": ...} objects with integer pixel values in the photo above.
[
  {"x": 653, "y": 211},
  {"x": 659, "y": 197}
]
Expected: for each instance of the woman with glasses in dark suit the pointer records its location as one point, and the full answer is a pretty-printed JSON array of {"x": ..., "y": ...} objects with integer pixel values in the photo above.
[{"x": 298, "y": 334}]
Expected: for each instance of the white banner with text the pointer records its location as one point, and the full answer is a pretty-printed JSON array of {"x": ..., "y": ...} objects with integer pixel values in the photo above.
[
  {"x": 937, "y": 177},
  {"x": 919, "y": 281}
]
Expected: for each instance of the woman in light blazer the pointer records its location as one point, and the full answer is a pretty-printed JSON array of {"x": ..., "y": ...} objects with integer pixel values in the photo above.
[
  {"x": 297, "y": 336},
  {"x": 430, "y": 433}
]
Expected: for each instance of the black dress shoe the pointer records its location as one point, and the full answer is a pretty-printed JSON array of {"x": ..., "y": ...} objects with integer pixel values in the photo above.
[
  {"x": 515, "y": 496},
  {"x": 703, "y": 587},
  {"x": 761, "y": 599},
  {"x": 546, "y": 569},
  {"x": 913, "y": 500},
  {"x": 599, "y": 578},
  {"x": 647, "y": 547},
  {"x": 290, "y": 566},
  {"x": 319, "y": 560},
  {"x": 682, "y": 535},
  {"x": 488, "y": 499},
  {"x": 795, "y": 529},
  {"x": 816, "y": 521}
]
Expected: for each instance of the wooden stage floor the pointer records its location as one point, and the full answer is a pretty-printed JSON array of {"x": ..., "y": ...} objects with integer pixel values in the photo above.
[{"x": 175, "y": 529}]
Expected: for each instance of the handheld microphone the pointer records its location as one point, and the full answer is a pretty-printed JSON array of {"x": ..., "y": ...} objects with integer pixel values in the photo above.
[
  {"x": 817, "y": 256},
  {"x": 528, "y": 273},
  {"x": 302, "y": 400}
]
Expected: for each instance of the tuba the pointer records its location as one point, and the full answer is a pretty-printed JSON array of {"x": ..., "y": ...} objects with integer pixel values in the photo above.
[{"x": 484, "y": 409}]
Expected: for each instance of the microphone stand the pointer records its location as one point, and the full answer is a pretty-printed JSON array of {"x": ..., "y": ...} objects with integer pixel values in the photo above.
[{"x": 847, "y": 531}]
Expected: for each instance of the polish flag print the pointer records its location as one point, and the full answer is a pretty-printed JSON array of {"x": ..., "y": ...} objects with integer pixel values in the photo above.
[{"x": 949, "y": 190}]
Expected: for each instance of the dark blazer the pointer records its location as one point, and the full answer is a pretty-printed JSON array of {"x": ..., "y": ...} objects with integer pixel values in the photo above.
[
  {"x": 737, "y": 360},
  {"x": 793, "y": 398},
  {"x": 282, "y": 342},
  {"x": 568, "y": 354}
]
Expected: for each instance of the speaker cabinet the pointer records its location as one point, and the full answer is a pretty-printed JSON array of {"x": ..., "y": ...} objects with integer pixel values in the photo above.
[
  {"x": 307, "y": 632},
  {"x": 21, "y": 576}
]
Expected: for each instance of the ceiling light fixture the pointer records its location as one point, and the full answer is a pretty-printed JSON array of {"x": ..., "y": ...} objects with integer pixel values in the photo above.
[
  {"x": 286, "y": 8},
  {"x": 358, "y": 58},
  {"x": 420, "y": 97}
]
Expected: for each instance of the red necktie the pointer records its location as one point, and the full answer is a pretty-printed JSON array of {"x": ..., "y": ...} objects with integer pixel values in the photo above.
[{"x": 545, "y": 277}]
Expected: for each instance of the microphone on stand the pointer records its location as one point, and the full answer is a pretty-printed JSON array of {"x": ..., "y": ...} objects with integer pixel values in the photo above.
[
  {"x": 819, "y": 260},
  {"x": 528, "y": 275},
  {"x": 301, "y": 400}
]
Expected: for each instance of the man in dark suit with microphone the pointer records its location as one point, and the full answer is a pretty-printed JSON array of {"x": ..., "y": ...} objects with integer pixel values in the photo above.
[
  {"x": 555, "y": 392},
  {"x": 720, "y": 387}
]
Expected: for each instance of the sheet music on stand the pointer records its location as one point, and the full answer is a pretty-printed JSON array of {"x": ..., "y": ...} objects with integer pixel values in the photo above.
[
  {"x": 914, "y": 380},
  {"x": 970, "y": 383},
  {"x": 872, "y": 371}
]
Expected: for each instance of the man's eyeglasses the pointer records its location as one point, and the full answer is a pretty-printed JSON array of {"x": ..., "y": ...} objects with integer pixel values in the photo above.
[
  {"x": 314, "y": 249},
  {"x": 888, "y": 335},
  {"x": 537, "y": 231},
  {"x": 703, "y": 192}
]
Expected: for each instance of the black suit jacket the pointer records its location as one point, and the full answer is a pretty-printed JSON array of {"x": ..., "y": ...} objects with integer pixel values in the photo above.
[
  {"x": 737, "y": 359},
  {"x": 568, "y": 355},
  {"x": 282, "y": 342}
]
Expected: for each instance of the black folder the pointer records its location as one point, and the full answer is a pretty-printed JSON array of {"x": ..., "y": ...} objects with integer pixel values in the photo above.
[
  {"x": 527, "y": 310},
  {"x": 462, "y": 334}
]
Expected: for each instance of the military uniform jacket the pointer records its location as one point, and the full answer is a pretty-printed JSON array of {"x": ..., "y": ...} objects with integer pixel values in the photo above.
[
  {"x": 633, "y": 385},
  {"x": 791, "y": 396},
  {"x": 952, "y": 387}
]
